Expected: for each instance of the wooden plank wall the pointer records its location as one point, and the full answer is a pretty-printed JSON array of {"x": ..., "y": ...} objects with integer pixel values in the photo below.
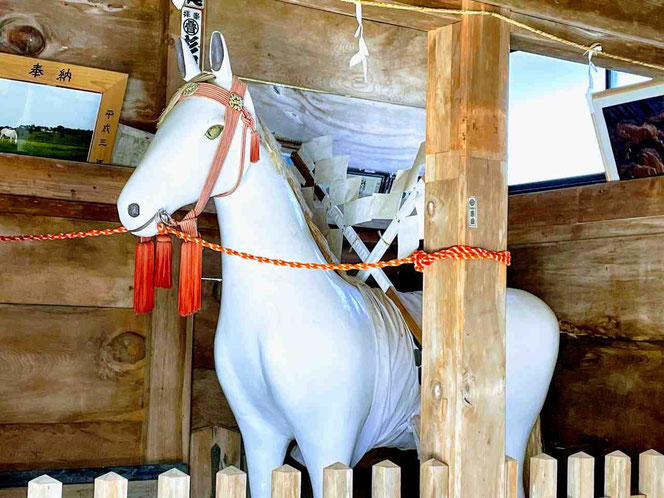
[
  {"x": 84, "y": 381},
  {"x": 594, "y": 254}
]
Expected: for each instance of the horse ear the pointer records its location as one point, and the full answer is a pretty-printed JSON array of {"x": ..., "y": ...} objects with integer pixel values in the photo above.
[
  {"x": 178, "y": 4},
  {"x": 187, "y": 65},
  {"x": 220, "y": 62}
]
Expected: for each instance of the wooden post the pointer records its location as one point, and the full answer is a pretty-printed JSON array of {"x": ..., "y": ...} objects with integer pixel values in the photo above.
[
  {"x": 286, "y": 482},
  {"x": 167, "y": 381},
  {"x": 617, "y": 475},
  {"x": 44, "y": 487},
  {"x": 651, "y": 474},
  {"x": 543, "y": 476},
  {"x": 385, "y": 480},
  {"x": 434, "y": 479},
  {"x": 202, "y": 465},
  {"x": 337, "y": 481},
  {"x": 463, "y": 366},
  {"x": 173, "y": 484},
  {"x": 231, "y": 483},
  {"x": 110, "y": 485},
  {"x": 580, "y": 476},
  {"x": 511, "y": 477}
]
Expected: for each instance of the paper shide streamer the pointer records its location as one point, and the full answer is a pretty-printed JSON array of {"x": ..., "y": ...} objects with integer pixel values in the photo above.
[{"x": 362, "y": 55}]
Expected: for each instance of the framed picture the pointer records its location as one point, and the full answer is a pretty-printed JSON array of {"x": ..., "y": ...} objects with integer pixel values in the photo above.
[
  {"x": 629, "y": 123},
  {"x": 59, "y": 110},
  {"x": 373, "y": 182}
]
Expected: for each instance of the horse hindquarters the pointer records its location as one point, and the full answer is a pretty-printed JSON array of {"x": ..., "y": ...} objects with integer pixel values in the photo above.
[{"x": 531, "y": 353}]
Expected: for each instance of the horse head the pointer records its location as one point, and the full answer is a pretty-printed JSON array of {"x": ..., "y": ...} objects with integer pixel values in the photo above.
[{"x": 174, "y": 169}]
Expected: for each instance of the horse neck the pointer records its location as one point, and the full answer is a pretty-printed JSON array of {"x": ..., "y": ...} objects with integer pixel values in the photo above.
[{"x": 263, "y": 217}]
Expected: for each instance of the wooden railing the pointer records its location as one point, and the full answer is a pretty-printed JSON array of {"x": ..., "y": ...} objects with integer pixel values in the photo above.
[{"x": 386, "y": 477}]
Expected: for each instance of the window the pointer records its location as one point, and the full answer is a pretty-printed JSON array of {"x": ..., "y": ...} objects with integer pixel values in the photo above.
[
  {"x": 617, "y": 79},
  {"x": 550, "y": 131}
]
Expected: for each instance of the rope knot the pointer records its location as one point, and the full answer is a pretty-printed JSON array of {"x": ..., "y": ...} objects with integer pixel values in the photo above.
[{"x": 421, "y": 260}]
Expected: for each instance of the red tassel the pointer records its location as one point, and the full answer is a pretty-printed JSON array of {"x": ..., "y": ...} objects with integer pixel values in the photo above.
[
  {"x": 144, "y": 276},
  {"x": 255, "y": 151},
  {"x": 191, "y": 269},
  {"x": 162, "y": 266}
]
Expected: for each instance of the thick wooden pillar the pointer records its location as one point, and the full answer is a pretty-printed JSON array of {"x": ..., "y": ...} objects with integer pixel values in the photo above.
[{"x": 463, "y": 385}]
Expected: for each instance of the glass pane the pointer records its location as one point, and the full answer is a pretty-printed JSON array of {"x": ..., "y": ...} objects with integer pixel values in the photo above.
[
  {"x": 551, "y": 134},
  {"x": 619, "y": 79}
]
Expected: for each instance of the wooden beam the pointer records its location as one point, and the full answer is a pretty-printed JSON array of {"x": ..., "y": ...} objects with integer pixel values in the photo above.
[
  {"x": 284, "y": 43},
  {"x": 408, "y": 18},
  {"x": 637, "y": 20},
  {"x": 463, "y": 384},
  {"x": 625, "y": 28}
]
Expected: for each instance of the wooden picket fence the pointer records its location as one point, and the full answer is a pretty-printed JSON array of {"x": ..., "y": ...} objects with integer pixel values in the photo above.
[{"x": 386, "y": 480}]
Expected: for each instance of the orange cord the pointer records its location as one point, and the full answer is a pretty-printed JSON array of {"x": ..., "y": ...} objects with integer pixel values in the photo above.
[{"x": 419, "y": 259}]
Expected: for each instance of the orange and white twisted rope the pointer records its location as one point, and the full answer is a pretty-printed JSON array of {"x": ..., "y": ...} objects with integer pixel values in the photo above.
[{"x": 419, "y": 259}]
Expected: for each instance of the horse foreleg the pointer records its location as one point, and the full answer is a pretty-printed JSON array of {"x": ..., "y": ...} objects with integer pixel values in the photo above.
[{"x": 265, "y": 448}]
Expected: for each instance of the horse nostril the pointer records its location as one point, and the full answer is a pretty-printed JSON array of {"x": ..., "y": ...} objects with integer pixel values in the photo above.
[{"x": 134, "y": 210}]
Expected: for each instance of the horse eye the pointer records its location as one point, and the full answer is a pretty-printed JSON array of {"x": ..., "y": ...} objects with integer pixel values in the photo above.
[{"x": 214, "y": 131}]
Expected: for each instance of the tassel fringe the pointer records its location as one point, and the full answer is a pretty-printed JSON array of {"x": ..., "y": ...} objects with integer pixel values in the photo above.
[
  {"x": 163, "y": 262},
  {"x": 191, "y": 269},
  {"x": 255, "y": 150},
  {"x": 144, "y": 276}
]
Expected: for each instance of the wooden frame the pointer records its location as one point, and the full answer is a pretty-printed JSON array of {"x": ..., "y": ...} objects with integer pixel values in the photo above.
[
  {"x": 616, "y": 97},
  {"x": 110, "y": 85}
]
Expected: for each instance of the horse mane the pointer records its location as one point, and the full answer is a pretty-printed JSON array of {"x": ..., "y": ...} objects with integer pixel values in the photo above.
[{"x": 282, "y": 167}]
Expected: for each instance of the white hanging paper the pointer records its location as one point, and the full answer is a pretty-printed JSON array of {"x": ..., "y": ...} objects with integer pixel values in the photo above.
[
  {"x": 343, "y": 191},
  {"x": 592, "y": 70},
  {"x": 407, "y": 178},
  {"x": 331, "y": 170},
  {"x": 362, "y": 55},
  {"x": 318, "y": 148},
  {"x": 358, "y": 211},
  {"x": 385, "y": 206},
  {"x": 407, "y": 237}
]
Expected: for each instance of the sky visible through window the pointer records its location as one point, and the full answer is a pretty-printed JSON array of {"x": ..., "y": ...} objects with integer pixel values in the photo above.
[{"x": 550, "y": 132}]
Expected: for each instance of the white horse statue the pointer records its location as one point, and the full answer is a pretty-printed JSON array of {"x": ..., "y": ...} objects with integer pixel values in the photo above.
[
  {"x": 9, "y": 133},
  {"x": 306, "y": 355}
]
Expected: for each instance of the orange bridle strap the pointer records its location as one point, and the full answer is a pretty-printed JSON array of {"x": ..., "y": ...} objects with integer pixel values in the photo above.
[{"x": 233, "y": 101}]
